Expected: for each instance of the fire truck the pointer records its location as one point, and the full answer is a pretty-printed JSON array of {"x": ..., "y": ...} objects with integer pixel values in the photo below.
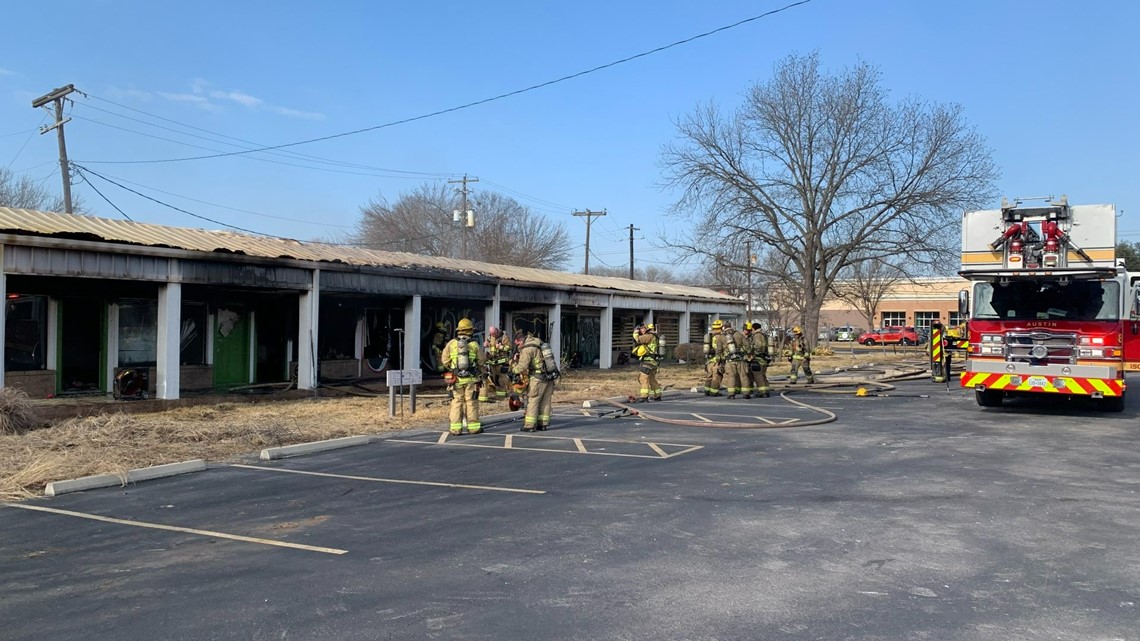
[{"x": 1050, "y": 303}]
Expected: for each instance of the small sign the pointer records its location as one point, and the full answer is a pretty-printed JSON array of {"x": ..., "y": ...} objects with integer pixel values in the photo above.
[{"x": 405, "y": 377}]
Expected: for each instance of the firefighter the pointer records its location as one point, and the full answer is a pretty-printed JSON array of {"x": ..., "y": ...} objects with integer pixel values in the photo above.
[
  {"x": 646, "y": 347},
  {"x": 799, "y": 356},
  {"x": 535, "y": 367},
  {"x": 462, "y": 358},
  {"x": 733, "y": 350},
  {"x": 755, "y": 361},
  {"x": 495, "y": 381},
  {"x": 714, "y": 364}
]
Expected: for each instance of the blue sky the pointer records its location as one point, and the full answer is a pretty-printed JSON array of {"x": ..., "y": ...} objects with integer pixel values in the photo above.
[{"x": 1052, "y": 85}]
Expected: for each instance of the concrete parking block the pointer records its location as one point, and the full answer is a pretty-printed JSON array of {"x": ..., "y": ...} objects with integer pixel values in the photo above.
[
  {"x": 274, "y": 453},
  {"x": 56, "y": 488}
]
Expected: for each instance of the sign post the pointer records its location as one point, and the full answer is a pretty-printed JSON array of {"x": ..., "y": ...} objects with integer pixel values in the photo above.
[{"x": 399, "y": 378}]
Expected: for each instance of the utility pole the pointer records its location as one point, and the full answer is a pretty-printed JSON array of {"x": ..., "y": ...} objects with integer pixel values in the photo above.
[
  {"x": 590, "y": 215},
  {"x": 748, "y": 294},
  {"x": 631, "y": 230},
  {"x": 465, "y": 217},
  {"x": 57, "y": 96}
]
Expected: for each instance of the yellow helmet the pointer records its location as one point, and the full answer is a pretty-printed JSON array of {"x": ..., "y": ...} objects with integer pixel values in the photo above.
[
  {"x": 717, "y": 324},
  {"x": 748, "y": 326},
  {"x": 651, "y": 327},
  {"x": 465, "y": 326},
  {"x": 797, "y": 330}
]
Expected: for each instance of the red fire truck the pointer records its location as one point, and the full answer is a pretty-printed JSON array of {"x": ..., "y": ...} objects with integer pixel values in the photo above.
[{"x": 1049, "y": 303}]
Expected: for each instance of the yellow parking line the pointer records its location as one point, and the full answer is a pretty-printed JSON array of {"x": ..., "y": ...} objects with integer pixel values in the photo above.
[
  {"x": 581, "y": 447},
  {"x": 442, "y": 438},
  {"x": 462, "y": 486},
  {"x": 174, "y": 528},
  {"x": 510, "y": 441},
  {"x": 660, "y": 451},
  {"x": 766, "y": 420}
]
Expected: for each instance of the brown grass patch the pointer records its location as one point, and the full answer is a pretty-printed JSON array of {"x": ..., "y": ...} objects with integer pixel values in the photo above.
[
  {"x": 113, "y": 443},
  {"x": 16, "y": 415}
]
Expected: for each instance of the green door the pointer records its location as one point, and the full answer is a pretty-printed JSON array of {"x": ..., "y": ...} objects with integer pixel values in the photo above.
[{"x": 231, "y": 348}]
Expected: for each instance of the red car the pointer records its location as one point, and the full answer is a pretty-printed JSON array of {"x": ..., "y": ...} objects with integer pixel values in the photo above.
[{"x": 890, "y": 335}]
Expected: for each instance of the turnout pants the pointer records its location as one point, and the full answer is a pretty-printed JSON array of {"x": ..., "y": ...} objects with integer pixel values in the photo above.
[
  {"x": 797, "y": 363},
  {"x": 539, "y": 395},
  {"x": 734, "y": 377},
  {"x": 715, "y": 374},
  {"x": 464, "y": 407},
  {"x": 647, "y": 379}
]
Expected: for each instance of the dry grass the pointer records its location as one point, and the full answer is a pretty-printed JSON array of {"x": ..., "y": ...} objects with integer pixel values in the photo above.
[
  {"x": 16, "y": 415},
  {"x": 113, "y": 443}
]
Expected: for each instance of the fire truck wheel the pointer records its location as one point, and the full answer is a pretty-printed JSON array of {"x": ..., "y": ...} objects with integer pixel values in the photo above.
[
  {"x": 1112, "y": 404},
  {"x": 989, "y": 397}
]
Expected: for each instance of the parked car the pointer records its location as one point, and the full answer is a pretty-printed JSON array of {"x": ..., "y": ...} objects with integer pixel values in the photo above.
[
  {"x": 847, "y": 333},
  {"x": 890, "y": 336}
]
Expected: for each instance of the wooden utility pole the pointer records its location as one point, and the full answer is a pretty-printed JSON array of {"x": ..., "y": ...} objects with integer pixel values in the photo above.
[
  {"x": 631, "y": 230},
  {"x": 590, "y": 215},
  {"x": 465, "y": 217},
  {"x": 57, "y": 96},
  {"x": 748, "y": 294}
]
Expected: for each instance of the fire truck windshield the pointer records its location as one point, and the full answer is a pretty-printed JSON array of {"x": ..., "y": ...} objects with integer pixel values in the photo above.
[{"x": 1081, "y": 300}]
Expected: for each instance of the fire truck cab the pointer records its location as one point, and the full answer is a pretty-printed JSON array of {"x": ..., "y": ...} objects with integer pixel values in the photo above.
[{"x": 1050, "y": 306}]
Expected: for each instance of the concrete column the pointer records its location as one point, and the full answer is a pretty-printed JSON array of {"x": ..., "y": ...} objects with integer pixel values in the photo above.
[
  {"x": 251, "y": 348},
  {"x": 413, "y": 312},
  {"x": 51, "y": 354},
  {"x": 683, "y": 330},
  {"x": 606, "y": 349},
  {"x": 556, "y": 332},
  {"x": 308, "y": 317},
  {"x": 113, "y": 345},
  {"x": 169, "y": 350},
  {"x": 491, "y": 315},
  {"x": 4, "y": 315}
]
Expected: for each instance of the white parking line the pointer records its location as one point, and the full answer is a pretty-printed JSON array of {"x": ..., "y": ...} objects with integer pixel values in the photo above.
[
  {"x": 461, "y": 486},
  {"x": 174, "y": 528},
  {"x": 701, "y": 417}
]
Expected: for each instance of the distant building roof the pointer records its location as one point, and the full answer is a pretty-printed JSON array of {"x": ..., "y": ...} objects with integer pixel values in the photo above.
[{"x": 30, "y": 222}]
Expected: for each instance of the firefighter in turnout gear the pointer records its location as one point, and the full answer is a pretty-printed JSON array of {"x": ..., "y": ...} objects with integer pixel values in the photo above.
[
  {"x": 535, "y": 366},
  {"x": 756, "y": 361},
  {"x": 647, "y": 349},
  {"x": 799, "y": 355},
  {"x": 495, "y": 381},
  {"x": 734, "y": 360},
  {"x": 462, "y": 358},
  {"x": 714, "y": 359}
]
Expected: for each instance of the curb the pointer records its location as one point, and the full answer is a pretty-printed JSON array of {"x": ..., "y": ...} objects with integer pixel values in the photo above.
[
  {"x": 274, "y": 453},
  {"x": 55, "y": 488}
]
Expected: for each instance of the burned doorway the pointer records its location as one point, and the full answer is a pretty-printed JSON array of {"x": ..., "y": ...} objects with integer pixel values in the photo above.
[
  {"x": 275, "y": 333},
  {"x": 231, "y": 347},
  {"x": 82, "y": 345}
]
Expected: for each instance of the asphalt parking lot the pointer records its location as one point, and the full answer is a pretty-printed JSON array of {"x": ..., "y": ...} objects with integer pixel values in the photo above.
[{"x": 915, "y": 515}]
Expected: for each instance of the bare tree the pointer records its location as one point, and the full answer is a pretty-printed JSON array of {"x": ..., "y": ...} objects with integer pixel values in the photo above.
[
  {"x": 506, "y": 232},
  {"x": 865, "y": 284},
  {"x": 825, "y": 171},
  {"x": 21, "y": 192},
  {"x": 648, "y": 273}
]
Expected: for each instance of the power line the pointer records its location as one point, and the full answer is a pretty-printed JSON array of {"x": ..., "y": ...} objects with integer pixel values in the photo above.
[
  {"x": 243, "y": 211},
  {"x": 476, "y": 103},
  {"x": 179, "y": 209},
  {"x": 269, "y": 160},
  {"x": 286, "y": 154},
  {"x": 89, "y": 184}
]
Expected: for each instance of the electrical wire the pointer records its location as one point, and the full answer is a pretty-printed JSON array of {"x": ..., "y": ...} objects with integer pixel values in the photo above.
[
  {"x": 26, "y": 141},
  {"x": 286, "y": 154},
  {"x": 179, "y": 209},
  {"x": 243, "y": 211},
  {"x": 269, "y": 160},
  {"x": 468, "y": 105},
  {"x": 89, "y": 184}
]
